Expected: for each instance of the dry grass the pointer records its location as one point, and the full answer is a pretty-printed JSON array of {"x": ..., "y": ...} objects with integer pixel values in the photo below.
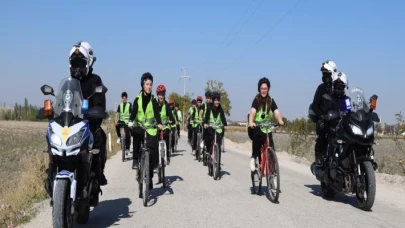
[{"x": 22, "y": 169}]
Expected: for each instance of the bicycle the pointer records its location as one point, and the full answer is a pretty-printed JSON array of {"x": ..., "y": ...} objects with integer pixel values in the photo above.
[
  {"x": 170, "y": 146},
  {"x": 214, "y": 163},
  {"x": 268, "y": 168},
  {"x": 162, "y": 159},
  {"x": 198, "y": 151},
  {"x": 143, "y": 171},
  {"x": 176, "y": 139},
  {"x": 123, "y": 140},
  {"x": 223, "y": 144}
]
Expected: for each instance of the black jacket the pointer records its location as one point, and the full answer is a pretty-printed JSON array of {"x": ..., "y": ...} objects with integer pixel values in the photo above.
[
  {"x": 216, "y": 112},
  {"x": 320, "y": 105},
  {"x": 88, "y": 85}
]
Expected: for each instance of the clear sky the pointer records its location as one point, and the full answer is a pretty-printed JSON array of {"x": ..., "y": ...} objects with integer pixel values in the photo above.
[{"x": 366, "y": 39}]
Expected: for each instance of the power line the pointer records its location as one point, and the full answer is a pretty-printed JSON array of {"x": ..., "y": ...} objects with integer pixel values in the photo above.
[
  {"x": 240, "y": 19},
  {"x": 251, "y": 15},
  {"x": 274, "y": 26}
]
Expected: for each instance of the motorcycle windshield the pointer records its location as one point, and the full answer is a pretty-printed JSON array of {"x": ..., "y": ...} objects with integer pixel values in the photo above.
[
  {"x": 359, "y": 104},
  {"x": 68, "y": 100}
]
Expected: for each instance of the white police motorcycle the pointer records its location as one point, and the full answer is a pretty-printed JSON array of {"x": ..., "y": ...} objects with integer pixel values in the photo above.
[{"x": 70, "y": 147}]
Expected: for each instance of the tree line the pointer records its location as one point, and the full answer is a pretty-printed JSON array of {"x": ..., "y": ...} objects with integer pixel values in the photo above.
[{"x": 20, "y": 112}]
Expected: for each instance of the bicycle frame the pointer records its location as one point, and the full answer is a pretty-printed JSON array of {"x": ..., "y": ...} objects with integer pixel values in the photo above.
[
  {"x": 162, "y": 143},
  {"x": 264, "y": 156}
]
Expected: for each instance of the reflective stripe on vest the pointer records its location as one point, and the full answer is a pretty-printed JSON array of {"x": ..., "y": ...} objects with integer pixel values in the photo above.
[
  {"x": 216, "y": 123},
  {"x": 196, "y": 117},
  {"x": 146, "y": 119},
  {"x": 124, "y": 113},
  {"x": 266, "y": 120},
  {"x": 163, "y": 115}
]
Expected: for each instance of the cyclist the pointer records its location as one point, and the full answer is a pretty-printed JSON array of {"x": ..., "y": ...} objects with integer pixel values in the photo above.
[
  {"x": 215, "y": 116},
  {"x": 179, "y": 117},
  {"x": 165, "y": 115},
  {"x": 189, "y": 127},
  {"x": 122, "y": 116},
  {"x": 204, "y": 108},
  {"x": 173, "y": 125},
  {"x": 320, "y": 106},
  {"x": 195, "y": 122},
  {"x": 262, "y": 110},
  {"x": 145, "y": 112}
]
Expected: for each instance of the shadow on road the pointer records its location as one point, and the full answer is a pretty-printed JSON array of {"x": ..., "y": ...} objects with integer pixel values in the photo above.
[
  {"x": 108, "y": 213},
  {"x": 174, "y": 155},
  {"x": 160, "y": 191},
  {"x": 339, "y": 197},
  {"x": 179, "y": 151},
  {"x": 224, "y": 173}
]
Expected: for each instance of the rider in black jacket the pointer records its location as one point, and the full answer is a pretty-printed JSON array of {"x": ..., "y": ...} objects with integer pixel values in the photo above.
[
  {"x": 320, "y": 107},
  {"x": 81, "y": 67}
]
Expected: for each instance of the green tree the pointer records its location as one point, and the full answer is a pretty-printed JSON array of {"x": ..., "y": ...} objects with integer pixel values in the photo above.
[
  {"x": 184, "y": 102},
  {"x": 214, "y": 85}
]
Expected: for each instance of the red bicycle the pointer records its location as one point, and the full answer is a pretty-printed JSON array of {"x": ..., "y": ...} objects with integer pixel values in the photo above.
[{"x": 268, "y": 168}]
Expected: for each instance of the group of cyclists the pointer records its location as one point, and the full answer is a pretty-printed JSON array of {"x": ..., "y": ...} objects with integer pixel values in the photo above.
[
  {"x": 148, "y": 110},
  {"x": 156, "y": 111}
]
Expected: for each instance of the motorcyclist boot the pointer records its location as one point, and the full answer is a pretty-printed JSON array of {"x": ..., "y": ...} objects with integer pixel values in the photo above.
[
  {"x": 103, "y": 180},
  {"x": 318, "y": 159}
]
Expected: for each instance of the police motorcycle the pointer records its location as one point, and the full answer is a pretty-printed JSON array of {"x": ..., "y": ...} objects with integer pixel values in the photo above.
[
  {"x": 349, "y": 164},
  {"x": 75, "y": 169}
]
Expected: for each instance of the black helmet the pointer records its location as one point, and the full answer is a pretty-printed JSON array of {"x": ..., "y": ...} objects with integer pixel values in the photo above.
[
  {"x": 124, "y": 94},
  {"x": 208, "y": 94},
  {"x": 215, "y": 94},
  {"x": 193, "y": 101},
  {"x": 146, "y": 76},
  {"x": 176, "y": 105},
  {"x": 261, "y": 81}
]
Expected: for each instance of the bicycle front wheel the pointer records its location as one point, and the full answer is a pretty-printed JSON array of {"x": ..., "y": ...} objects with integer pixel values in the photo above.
[
  {"x": 123, "y": 142},
  {"x": 145, "y": 176},
  {"x": 216, "y": 164},
  {"x": 273, "y": 176}
]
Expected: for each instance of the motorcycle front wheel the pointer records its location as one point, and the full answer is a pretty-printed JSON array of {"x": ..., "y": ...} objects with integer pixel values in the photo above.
[
  {"x": 366, "y": 195},
  {"x": 61, "y": 210}
]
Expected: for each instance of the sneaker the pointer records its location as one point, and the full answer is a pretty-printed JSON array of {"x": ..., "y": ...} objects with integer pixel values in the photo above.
[
  {"x": 118, "y": 141},
  {"x": 193, "y": 152},
  {"x": 135, "y": 164},
  {"x": 252, "y": 164}
]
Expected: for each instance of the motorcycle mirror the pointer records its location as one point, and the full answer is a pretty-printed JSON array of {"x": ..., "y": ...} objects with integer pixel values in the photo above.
[
  {"x": 373, "y": 102},
  {"x": 47, "y": 90},
  {"x": 375, "y": 117}
]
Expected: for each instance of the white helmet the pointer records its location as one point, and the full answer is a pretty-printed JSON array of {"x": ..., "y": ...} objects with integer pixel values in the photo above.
[
  {"x": 339, "y": 84},
  {"x": 89, "y": 49},
  {"x": 79, "y": 61},
  {"x": 329, "y": 66}
]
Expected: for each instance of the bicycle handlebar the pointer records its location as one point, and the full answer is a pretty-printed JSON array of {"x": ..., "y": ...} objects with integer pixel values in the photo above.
[{"x": 267, "y": 125}]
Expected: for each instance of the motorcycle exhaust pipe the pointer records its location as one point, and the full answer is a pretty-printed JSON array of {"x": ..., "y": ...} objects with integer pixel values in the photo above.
[{"x": 317, "y": 172}]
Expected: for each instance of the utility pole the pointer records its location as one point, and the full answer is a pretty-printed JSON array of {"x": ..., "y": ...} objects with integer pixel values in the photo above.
[{"x": 184, "y": 77}]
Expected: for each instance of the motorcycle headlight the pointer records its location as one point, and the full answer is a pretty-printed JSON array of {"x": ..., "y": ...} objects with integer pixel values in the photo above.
[
  {"x": 370, "y": 131},
  {"x": 76, "y": 138},
  {"x": 56, "y": 139},
  {"x": 356, "y": 130}
]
